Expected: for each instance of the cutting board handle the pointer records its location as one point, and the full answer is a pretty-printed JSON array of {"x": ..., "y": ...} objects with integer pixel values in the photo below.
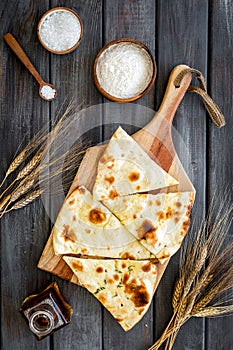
[{"x": 173, "y": 95}]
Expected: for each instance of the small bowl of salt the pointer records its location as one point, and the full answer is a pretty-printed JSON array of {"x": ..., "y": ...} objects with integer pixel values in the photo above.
[
  {"x": 60, "y": 30},
  {"x": 124, "y": 70}
]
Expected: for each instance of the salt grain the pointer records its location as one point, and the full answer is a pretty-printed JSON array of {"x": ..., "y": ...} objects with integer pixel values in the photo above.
[
  {"x": 48, "y": 92},
  {"x": 60, "y": 30}
]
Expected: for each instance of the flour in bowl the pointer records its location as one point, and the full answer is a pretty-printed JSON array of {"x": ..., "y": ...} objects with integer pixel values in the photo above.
[{"x": 124, "y": 70}]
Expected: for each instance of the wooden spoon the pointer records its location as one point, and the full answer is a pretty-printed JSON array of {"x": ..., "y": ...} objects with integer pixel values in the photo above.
[
  {"x": 156, "y": 139},
  {"x": 47, "y": 92}
]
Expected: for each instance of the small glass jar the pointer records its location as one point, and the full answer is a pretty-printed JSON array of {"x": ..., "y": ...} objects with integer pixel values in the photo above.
[{"x": 46, "y": 311}]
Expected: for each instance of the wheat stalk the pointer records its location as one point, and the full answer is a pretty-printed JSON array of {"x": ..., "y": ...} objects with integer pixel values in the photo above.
[
  {"x": 41, "y": 171},
  {"x": 26, "y": 200},
  {"x": 15, "y": 164},
  {"x": 214, "y": 311},
  {"x": 21, "y": 190},
  {"x": 4, "y": 202},
  {"x": 40, "y": 138},
  {"x": 195, "y": 271},
  {"x": 177, "y": 292},
  {"x": 30, "y": 166},
  {"x": 206, "y": 272},
  {"x": 36, "y": 141}
]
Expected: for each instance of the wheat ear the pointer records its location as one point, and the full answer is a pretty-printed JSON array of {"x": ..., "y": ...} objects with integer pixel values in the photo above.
[
  {"x": 14, "y": 165},
  {"x": 30, "y": 166},
  {"x": 177, "y": 292},
  {"x": 214, "y": 311},
  {"x": 37, "y": 140},
  {"x": 25, "y": 171},
  {"x": 26, "y": 200},
  {"x": 4, "y": 202}
]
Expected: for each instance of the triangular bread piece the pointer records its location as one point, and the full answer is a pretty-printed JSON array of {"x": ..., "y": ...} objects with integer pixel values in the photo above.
[
  {"x": 125, "y": 168},
  {"x": 87, "y": 227},
  {"x": 159, "y": 221},
  {"x": 124, "y": 287}
]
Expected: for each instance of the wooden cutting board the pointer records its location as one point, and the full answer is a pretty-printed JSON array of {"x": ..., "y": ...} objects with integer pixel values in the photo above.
[{"x": 156, "y": 139}]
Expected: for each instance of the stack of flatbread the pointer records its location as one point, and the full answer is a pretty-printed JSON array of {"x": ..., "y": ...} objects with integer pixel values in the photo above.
[{"x": 114, "y": 238}]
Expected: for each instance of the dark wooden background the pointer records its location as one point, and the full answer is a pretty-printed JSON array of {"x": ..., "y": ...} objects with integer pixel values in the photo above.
[{"x": 198, "y": 33}]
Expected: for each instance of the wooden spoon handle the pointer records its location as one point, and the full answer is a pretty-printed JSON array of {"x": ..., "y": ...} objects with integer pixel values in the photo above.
[{"x": 14, "y": 45}]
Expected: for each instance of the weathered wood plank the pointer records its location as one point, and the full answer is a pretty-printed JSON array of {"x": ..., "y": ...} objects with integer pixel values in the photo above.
[
  {"x": 182, "y": 38},
  {"x": 179, "y": 36},
  {"x": 136, "y": 20},
  {"x": 22, "y": 112},
  {"x": 220, "y": 145},
  {"x": 72, "y": 74}
]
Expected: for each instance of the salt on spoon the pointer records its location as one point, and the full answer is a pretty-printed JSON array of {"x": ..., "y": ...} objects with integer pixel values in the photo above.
[{"x": 47, "y": 92}]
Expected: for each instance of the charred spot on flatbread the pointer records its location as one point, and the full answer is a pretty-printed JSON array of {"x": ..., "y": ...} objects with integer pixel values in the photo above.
[
  {"x": 160, "y": 215},
  {"x": 109, "y": 179},
  {"x": 146, "y": 227},
  {"x": 139, "y": 294},
  {"x": 110, "y": 166},
  {"x": 147, "y": 231},
  {"x": 99, "y": 269},
  {"x": 96, "y": 216},
  {"x": 113, "y": 194},
  {"x": 68, "y": 234},
  {"x": 169, "y": 213},
  {"x": 77, "y": 265},
  {"x": 178, "y": 204},
  {"x": 134, "y": 176},
  {"x": 158, "y": 202},
  {"x": 71, "y": 202},
  {"x": 106, "y": 159},
  {"x": 140, "y": 311},
  {"x": 102, "y": 298},
  {"x": 146, "y": 267},
  {"x": 151, "y": 237},
  {"x": 110, "y": 281},
  {"x": 125, "y": 278},
  {"x": 116, "y": 277},
  {"x": 127, "y": 255},
  {"x": 74, "y": 218},
  {"x": 186, "y": 224}
]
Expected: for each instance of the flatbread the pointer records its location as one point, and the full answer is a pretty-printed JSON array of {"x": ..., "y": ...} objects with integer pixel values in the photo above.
[
  {"x": 125, "y": 168},
  {"x": 159, "y": 221},
  {"x": 124, "y": 287},
  {"x": 87, "y": 227}
]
